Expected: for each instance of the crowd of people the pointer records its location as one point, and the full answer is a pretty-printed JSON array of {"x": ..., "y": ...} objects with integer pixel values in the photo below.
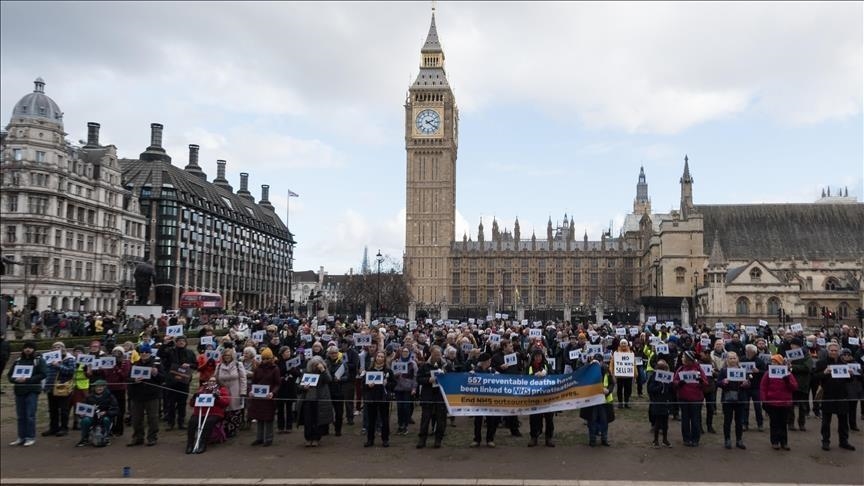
[{"x": 275, "y": 373}]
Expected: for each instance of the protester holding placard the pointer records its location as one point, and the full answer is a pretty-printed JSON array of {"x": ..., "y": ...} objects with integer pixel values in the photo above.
[
  {"x": 540, "y": 422},
  {"x": 81, "y": 379},
  {"x": 598, "y": 417},
  {"x": 336, "y": 366},
  {"x": 60, "y": 369},
  {"x": 624, "y": 382},
  {"x": 105, "y": 410},
  {"x": 214, "y": 414},
  {"x": 376, "y": 397},
  {"x": 431, "y": 399},
  {"x": 179, "y": 362},
  {"x": 733, "y": 382},
  {"x": 262, "y": 409},
  {"x": 777, "y": 392},
  {"x": 289, "y": 370},
  {"x": 484, "y": 367},
  {"x": 206, "y": 362},
  {"x": 144, "y": 396},
  {"x": 116, "y": 376},
  {"x": 229, "y": 373},
  {"x": 406, "y": 388},
  {"x": 501, "y": 364},
  {"x": 854, "y": 388},
  {"x": 660, "y": 394},
  {"x": 802, "y": 367},
  {"x": 834, "y": 398},
  {"x": 689, "y": 382},
  {"x": 316, "y": 411},
  {"x": 30, "y": 370},
  {"x": 756, "y": 368}
]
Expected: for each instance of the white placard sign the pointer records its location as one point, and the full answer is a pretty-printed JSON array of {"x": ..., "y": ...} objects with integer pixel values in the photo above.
[
  {"x": 705, "y": 342},
  {"x": 797, "y": 327},
  {"x": 505, "y": 316},
  {"x": 639, "y": 361},
  {"x": 494, "y": 338},
  {"x": 140, "y": 373},
  {"x": 52, "y": 356},
  {"x": 258, "y": 336},
  {"x": 708, "y": 369},
  {"x": 839, "y": 371},
  {"x": 778, "y": 371},
  {"x": 362, "y": 339},
  {"x": 84, "y": 409},
  {"x": 750, "y": 329},
  {"x": 524, "y": 322},
  {"x": 307, "y": 353},
  {"x": 534, "y": 333},
  {"x": 510, "y": 359},
  {"x": 750, "y": 366},
  {"x": 400, "y": 367},
  {"x": 107, "y": 362},
  {"x": 625, "y": 364},
  {"x": 652, "y": 319},
  {"x": 689, "y": 376},
  {"x": 22, "y": 371},
  {"x": 620, "y": 331},
  {"x": 574, "y": 354},
  {"x": 293, "y": 362},
  {"x": 467, "y": 347},
  {"x": 307, "y": 338},
  {"x": 854, "y": 368},
  {"x": 662, "y": 349},
  {"x": 86, "y": 359},
  {"x": 174, "y": 331},
  {"x": 326, "y": 338},
  {"x": 663, "y": 376},
  {"x": 553, "y": 363},
  {"x": 471, "y": 320},
  {"x": 762, "y": 323},
  {"x": 207, "y": 341},
  {"x": 593, "y": 349},
  {"x": 793, "y": 354},
  {"x": 718, "y": 325},
  {"x": 634, "y": 331},
  {"x": 428, "y": 321},
  {"x": 309, "y": 379},
  {"x": 260, "y": 391},
  {"x": 854, "y": 341},
  {"x": 821, "y": 341},
  {"x": 374, "y": 377},
  {"x": 736, "y": 374},
  {"x": 497, "y": 315},
  {"x": 212, "y": 354},
  {"x": 205, "y": 400}
]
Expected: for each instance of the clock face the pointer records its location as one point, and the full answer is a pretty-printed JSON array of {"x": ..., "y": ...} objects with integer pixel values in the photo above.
[{"x": 428, "y": 122}]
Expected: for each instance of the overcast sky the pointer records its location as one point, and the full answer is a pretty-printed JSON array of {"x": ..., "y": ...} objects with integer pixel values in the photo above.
[{"x": 560, "y": 103}]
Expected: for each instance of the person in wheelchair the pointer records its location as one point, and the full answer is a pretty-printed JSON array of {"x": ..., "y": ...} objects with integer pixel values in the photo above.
[
  {"x": 205, "y": 419},
  {"x": 96, "y": 430}
]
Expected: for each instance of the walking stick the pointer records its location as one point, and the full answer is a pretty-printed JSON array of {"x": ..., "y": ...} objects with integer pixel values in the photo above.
[{"x": 200, "y": 432}]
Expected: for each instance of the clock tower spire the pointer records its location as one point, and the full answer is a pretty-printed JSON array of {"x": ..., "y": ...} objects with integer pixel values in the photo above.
[{"x": 431, "y": 134}]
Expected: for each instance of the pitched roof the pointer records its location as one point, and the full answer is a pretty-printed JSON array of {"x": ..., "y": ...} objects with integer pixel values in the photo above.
[
  {"x": 768, "y": 231},
  {"x": 432, "y": 44},
  {"x": 717, "y": 258},
  {"x": 195, "y": 192}
]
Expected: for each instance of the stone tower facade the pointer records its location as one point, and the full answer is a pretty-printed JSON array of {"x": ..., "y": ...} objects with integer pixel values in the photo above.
[{"x": 431, "y": 135}]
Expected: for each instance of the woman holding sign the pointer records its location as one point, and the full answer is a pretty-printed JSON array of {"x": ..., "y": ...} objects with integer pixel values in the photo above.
[
  {"x": 60, "y": 368},
  {"x": 624, "y": 369},
  {"x": 733, "y": 381},
  {"x": 380, "y": 383},
  {"x": 689, "y": 381},
  {"x": 265, "y": 386},
  {"x": 231, "y": 374},
  {"x": 215, "y": 413},
  {"x": 27, "y": 374},
  {"x": 776, "y": 390},
  {"x": 316, "y": 411},
  {"x": 833, "y": 375}
]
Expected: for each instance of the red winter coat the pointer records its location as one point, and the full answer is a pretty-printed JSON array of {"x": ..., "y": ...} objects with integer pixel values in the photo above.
[
  {"x": 777, "y": 392},
  {"x": 690, "y": 392}
]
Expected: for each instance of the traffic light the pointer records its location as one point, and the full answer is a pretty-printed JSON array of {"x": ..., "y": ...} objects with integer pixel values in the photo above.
[
  {"x": 10, "y": 301},
  {"x": 860, "y": 313}
]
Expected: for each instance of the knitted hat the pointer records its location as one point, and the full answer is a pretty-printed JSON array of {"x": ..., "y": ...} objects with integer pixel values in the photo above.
[
  {"x": 99, "y": 383},
  {"x": 777, "y": 359},
  {"x": 690, "y": 355},
  {"x": 266, "y": 353},
  {"x": 144, "y": 348}
]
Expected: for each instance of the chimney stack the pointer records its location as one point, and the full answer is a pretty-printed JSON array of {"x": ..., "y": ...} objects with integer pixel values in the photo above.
[
  {"x": 220, "y": 179},
  {"x": 156, "y": 135},
  {"x": 92, "y": 134},
  {"x": 155, "y": 152},
  {"x": 193, "y": 155},
  {"x": 244, "y": 187},
  {"x": 265, "y": 197}
]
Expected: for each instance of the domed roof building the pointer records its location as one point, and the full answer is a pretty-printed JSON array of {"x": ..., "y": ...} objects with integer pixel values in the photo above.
[{"x": 38, "y": 105}]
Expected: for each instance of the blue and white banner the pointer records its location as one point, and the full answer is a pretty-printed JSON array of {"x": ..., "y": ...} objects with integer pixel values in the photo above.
[{"x": 468, "y": 394}]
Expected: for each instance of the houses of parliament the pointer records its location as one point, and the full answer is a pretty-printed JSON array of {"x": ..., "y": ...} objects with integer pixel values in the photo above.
[{"x": 733, "y": 262}]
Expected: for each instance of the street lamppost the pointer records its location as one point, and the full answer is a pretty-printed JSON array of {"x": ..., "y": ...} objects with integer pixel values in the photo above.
[{"x": 379, "y": 259}]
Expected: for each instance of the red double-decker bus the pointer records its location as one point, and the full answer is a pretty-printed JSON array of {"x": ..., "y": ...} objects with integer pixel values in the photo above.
[{"x": 201, "y": 301}]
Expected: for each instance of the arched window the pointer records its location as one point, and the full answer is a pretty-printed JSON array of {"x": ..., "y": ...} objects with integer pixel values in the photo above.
[
  {"x": 812, "y": 309},
  {"x": 742, "y": 306},
  {"x": 832, "y": 284},
  {"x": 773, "y": 306},
  {"x": 843, "y": 310},
  {"x": 756, "y": 275},
  {"x": 680, "y": 275}
]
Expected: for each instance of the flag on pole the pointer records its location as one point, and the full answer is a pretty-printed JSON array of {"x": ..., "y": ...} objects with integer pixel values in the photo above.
[{"x": 292, "y": 193}]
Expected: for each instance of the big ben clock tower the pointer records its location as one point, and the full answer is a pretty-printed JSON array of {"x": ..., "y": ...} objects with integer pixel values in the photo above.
[{"x": 431, "y": 132}]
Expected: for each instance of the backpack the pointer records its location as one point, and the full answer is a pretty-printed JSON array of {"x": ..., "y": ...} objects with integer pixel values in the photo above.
[{"x": 98, "y": 437}]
